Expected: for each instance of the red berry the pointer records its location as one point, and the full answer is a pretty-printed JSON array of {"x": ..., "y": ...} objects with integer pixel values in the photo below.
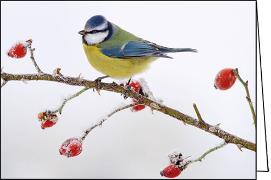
[
  {"x": 138, "y": 107},
  {"x": 171, "y": 171},
  {"x": 19, "y": 50},
  {"x": 135, "y": 85},
  {"x": 71, "y": 147},
  {"x": 225, "y": 79},
  {"x": 47, "y": 119},
  {"x": 47, "y": 123}
]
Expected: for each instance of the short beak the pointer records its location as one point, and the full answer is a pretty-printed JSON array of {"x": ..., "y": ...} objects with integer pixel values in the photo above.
[{"x": 83, "y": 32}]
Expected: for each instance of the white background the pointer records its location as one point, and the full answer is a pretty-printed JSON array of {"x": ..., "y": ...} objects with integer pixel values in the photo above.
[{"x": 129, "y": 145}]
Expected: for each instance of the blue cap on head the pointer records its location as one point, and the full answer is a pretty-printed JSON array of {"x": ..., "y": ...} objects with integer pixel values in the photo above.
[{"x": 96, "y": 21}]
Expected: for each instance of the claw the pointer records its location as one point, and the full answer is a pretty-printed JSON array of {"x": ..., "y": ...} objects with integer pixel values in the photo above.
[
  {"x": 98, "y": 83},
  {"x": 127, "y": 88},
  {"x": 125, "y": 95}
]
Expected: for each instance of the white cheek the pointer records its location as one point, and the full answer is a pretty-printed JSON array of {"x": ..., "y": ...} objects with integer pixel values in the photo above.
[{"x": 96, "y": 38}]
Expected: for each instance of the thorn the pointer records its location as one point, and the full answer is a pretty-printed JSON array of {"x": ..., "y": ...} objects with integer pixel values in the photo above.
[
  {"x": 97, "y": 90},
  {"x": 217, "y": 126},
  {"x": 56, "y": 72},
  {"x": 239, "y": 147},
  {"x": 4, "y": 83},
  {"x": 79, "y": 77},
  {"x": 24, "y": 81},
  {"x": 114, "y": 83}
]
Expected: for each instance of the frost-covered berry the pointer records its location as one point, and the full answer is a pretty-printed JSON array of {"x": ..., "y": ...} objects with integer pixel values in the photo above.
[
  {"x": 138, "y": 107},
  {"x": 135, "y": 86},
  {"x": 225, "y": 79},
  {"x": 47, "y": 119},
  {"x": 71, "y": 147},
  {"x": 171, "y": 171},
  {"x": 19, "y": 49},
  {"x": 47, "y": 124}
]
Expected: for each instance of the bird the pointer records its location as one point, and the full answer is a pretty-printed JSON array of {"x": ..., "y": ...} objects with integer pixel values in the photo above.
[{"x": 117, "y": 53}]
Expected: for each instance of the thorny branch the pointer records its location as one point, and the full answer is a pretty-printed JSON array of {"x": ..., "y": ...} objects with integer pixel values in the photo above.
[
  {"x": 87, "y": 131},
  {"x": 245, "y": 84},
  {"x": 113, "y": 87}
]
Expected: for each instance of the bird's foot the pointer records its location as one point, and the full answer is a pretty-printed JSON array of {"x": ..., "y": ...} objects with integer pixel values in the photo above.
[
  {"x": 98, "y": 83},
  {"x": 126, "y": 92},
  {"x": 127, "y": 88}
]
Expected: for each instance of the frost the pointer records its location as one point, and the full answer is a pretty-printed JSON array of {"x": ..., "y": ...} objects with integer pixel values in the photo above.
[
  {"x": 149, "y": 93},
  {"x": 177, "y": 159},
  {"x": 71, "y": 147},
  {"x": 146, "y": 88}
]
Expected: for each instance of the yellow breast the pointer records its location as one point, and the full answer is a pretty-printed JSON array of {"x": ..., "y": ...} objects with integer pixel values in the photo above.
[{"x": 116, "y": 67}]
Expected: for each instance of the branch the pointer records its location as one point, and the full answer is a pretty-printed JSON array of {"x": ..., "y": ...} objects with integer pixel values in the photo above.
[
  {"x": 199, "y": 159},
  {"x": 32, "y": 56},
  {"x": 198, "y": 113},
  {"x": 105, "y": 118},
  {"x": 59, "y": 110},
  {"x": 113, "y": 87},
  {"x": 245, "y": 84}
]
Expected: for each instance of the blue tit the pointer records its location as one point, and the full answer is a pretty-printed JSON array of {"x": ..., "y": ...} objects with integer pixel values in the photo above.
[{"x": 117, "y": 53}]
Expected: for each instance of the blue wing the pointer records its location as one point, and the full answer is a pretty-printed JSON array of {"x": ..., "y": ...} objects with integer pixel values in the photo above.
[{"x": 142, "y": 49}]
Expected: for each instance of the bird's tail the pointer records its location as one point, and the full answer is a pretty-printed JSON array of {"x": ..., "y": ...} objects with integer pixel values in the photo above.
[{"x": 169, "y": 50}]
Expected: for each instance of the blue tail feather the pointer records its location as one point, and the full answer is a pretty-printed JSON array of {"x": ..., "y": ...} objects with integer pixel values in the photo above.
[{"x": 168, "y": 50}]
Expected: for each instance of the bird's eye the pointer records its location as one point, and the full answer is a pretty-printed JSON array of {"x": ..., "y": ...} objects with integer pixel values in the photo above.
[{"x": 94, "y": 31}]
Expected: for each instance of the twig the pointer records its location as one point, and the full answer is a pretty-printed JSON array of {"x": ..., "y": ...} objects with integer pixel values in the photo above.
[
  {"x": 87, "y": 131},
  {"x": 113, "y": 87},
  {"x": 245, "y": 84},
  {"x": 198, "y": 114},
  {"x": 199, "y": 159},
  {"x": 32, "y": 56},
  {"x": 59, "y": 110}
]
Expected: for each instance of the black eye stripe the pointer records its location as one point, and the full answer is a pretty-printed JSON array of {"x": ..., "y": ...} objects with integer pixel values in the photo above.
[{"x": 96, "y": 31}]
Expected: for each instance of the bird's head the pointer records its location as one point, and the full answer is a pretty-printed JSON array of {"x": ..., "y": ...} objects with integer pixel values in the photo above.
[{"x": 97, "y": 30}]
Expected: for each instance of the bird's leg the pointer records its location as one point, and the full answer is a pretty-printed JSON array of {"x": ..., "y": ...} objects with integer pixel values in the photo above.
[
  {"x": 128, "y": 82},
  {"x": 127, "y": 88},
  {"x": 98, "y": 83}
]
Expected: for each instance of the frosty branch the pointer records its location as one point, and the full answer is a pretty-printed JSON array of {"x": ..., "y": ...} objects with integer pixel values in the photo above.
[
  {"x": 123, "y": 107},
  {"x": 59, "y": 110},
  {"x": 114, "y": 87},
  {"x": 245, "y": 84},
  {"x": 199, "y": 159}
]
